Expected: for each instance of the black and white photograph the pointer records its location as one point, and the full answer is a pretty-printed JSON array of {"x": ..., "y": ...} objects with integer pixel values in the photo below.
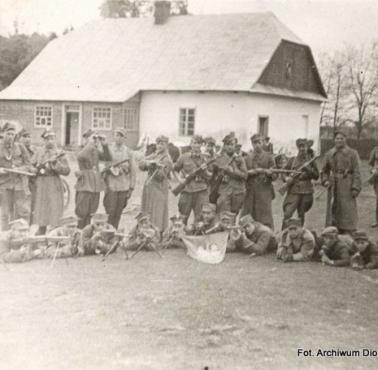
[{"x": 188, "y": 184}]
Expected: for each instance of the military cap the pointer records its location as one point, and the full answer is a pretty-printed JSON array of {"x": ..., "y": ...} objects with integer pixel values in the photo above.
[
  {"x": 8, "y": 126},
  {"x": 256, "y": 137},
  {"x": 88, "y": 133},
  {"x": 245, "y": 220},
  {"x": 227, "y": 215},
  {"x": 330, "y": 230},
  {"x": 209, "y": 207},
  {"x": 293, "y": 222},
  {"x": 19, "y": 224},
  {"x": 197, "y": 139},
  {"x": 210, "y": 140},
  {"x": 300, "y": 142},
  {"x": 310, "y": 143},
  {"x": 360, "y": 235},
  {"x": 25, "y": 133},
  {"x": 68, "y": 220},
  {"x": 121, "y": 132},
  {"x": 100, "y": 217},
  {"x": 341, "y": 132},
  {"x": 48, "y": 132},
  {"x": 266, "y": 138},
  {"x": 238, "y": 146},
  {"x": 175, "y": 218},
  {"x": 162, "y": 139},
  {"x": 229, "y": 138}
]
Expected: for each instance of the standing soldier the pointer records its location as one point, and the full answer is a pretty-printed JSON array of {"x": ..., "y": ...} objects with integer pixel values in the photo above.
[
  {"x": 89, "y": 180},
  {"x": 155, "y": 189},
  {"x": 300, "y": 189},
  {"x": 195, "y": 193},
  {"x": 13, "y": 187},
  {"x": 230, "y": 174},
  {"x": 260, "y": 192},
  {"x": 373, "y": 179},
  {"x": 48, "y": 202},
  {"x": 267, "y": 145},
  {"x": 120, "y": 179},
  {"x": 341, "y": 175}
]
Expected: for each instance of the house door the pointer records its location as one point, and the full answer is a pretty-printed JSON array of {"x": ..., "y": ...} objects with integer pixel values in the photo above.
[
  {"x": 72, "y": 123},
  {"x": 263, "y": 126}
]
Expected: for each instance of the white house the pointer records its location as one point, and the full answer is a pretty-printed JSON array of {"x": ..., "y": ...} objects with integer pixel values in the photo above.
[{"x": 203, "y": 74}]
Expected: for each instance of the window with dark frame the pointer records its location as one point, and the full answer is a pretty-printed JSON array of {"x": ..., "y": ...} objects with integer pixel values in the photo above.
[
  {"x": 131, "y": 117},
  {"x": 102, "y": 118},
  {"x": 43, "y": 116},
  {"x": 187, "y": 120}
]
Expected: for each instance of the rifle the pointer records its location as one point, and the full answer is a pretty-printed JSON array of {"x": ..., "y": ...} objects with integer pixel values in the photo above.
[
  {"x": 285, "y": 187},
  {"x": 373, "y": 177},
  {"x": 180, "y": 187},
  {"x": 330, "y": 196},
  {"x": 17, "y": 172},
  {"x": 214, "y": 195},
  {"x": 41, "y": 167},
  {"x": 46, "y": 238},
  {"x": 115, "y": 166}
]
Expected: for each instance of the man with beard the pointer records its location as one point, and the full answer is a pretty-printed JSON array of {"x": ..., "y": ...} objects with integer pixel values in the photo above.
[
  {"x": 260, "y": 192},
  {"x": 300, "y": 191},
  {"x": 48, "y": 202},
  {"x": 13, "y": 187}
]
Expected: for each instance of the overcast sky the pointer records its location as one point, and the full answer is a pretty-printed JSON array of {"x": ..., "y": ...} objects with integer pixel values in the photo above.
[{"x": 323, "y": 24}]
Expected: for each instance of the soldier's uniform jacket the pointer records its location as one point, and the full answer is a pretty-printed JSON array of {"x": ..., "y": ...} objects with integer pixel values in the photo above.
[
  {"x": 232, "y": 182},
  {"x": 368, "y": 258},
  {"x": 339, "y": 253},
  {"x": 261, "y": 241},
  {"x": 259, "y": 160},
  {"x": 342, "y": 164},
  {"x": 127, "y": 171},
  {"x": 16, "y": 157},
  {"x": 66, "y": 249},
  {"x": 90, "y": 243},
  {"x": 187, "y": 164},
  {"x": 302, "y": 183},
  {"x": 200, "y": 228},
  {"x": 13, "y": 250},
  {"x": 89, "y": 177},
  {"x": 373, "y": 162},
  {"x": 137, "y": 237},
  {"x": 302, "y": 247}
]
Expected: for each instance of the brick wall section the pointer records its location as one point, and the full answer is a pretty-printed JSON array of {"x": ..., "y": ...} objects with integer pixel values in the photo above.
[{"x": 23, "y": 112}]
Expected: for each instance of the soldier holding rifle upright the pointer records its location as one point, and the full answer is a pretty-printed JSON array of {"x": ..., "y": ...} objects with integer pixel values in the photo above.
[
  {"x": 48, "y": 199},
  {"x": 230, "y": 174},
  {"x": 89, "y": 180},
  {"x": 341, "y": 175},
  {"x": 300, "y": 189},
  {"x": 373, "y": 179},
  {"x": 260, "y": 192},
  {"x": 193, "y": 166},
  {"x": 155, "y": 189},
  {"x": 13, "y": 186},
  {"x": 119, "y": 178}
]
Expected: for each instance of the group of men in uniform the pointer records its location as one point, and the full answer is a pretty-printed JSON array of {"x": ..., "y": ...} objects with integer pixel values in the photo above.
[{"x": 217, "y": 186}]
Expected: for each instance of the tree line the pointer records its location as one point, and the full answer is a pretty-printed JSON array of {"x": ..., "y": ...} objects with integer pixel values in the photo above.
[{"x": 350, "y": 78}]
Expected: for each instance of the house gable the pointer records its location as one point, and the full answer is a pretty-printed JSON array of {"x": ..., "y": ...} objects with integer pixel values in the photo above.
[{"x": 292, "y": 67}]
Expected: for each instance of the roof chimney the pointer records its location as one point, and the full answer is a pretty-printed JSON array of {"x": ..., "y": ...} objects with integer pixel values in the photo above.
[{"x": 162, "y": 11}]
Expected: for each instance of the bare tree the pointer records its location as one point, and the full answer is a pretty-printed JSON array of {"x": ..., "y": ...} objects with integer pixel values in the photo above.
[{"x": 362, "y": 83}]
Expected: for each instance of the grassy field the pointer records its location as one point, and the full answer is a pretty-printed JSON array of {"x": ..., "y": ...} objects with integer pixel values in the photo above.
[{"x": 175, "y": 313}]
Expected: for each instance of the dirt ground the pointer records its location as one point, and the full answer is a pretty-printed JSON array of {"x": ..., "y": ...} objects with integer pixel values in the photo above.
[{"x": 176, "y": 313}]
